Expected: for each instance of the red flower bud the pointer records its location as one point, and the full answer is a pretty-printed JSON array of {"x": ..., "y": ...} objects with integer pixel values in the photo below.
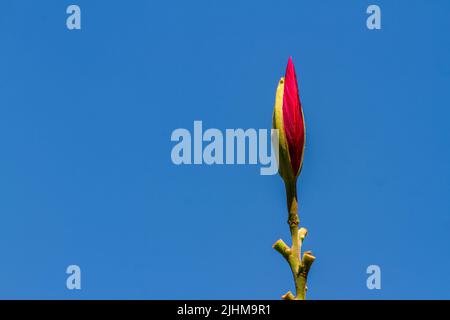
[{"x": 288, "y": 119}]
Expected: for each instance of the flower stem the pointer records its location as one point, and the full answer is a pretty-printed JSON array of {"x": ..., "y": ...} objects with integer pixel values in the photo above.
[{"x": 299, "y": 268}]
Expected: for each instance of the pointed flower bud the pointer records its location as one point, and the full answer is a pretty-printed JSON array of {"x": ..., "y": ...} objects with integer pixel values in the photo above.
[{"x": 288, "y": 119}]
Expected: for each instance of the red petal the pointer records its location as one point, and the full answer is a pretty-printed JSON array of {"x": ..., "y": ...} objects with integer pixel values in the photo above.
[{"x": 293, "y": 118}]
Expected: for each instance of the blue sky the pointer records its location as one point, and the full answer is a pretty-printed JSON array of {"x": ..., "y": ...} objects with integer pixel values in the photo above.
[{"x": 86, "y": 173}]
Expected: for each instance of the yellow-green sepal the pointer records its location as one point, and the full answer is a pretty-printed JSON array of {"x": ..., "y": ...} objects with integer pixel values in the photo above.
[{"x": 284, "y": 162}]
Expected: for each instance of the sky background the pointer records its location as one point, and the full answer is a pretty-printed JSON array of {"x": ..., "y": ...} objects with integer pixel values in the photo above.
[{"x": 86, "y": 176}]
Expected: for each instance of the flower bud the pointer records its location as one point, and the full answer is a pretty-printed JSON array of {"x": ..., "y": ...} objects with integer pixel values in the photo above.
[{"x": 288, "y": 119}]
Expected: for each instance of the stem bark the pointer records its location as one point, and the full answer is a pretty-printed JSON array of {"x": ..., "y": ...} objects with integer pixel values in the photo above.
[{"x": 299, "y": 267}]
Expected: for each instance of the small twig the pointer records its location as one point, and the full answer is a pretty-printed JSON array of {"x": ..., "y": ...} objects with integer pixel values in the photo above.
[
  {"x": 299, "y": 268},
  {"x": 282, "y": 248},
  {"x": 302, "y": 232},
  {"x": 307, "y": 261},
  {"x": 288, "y": 296}
]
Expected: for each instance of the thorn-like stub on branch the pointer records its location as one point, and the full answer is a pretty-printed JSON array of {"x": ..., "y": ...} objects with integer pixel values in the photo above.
[
  {"x": 307, "y": 261},
  {"x": 308, "y": 255},
  {"x": 302, "y": 232},
  {"x": 282, "y": 248},
  {"x": 288, "y": 296}
]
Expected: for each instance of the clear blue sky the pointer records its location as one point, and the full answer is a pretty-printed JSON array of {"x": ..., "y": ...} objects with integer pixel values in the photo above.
[{"x": 86, "y": 176}]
